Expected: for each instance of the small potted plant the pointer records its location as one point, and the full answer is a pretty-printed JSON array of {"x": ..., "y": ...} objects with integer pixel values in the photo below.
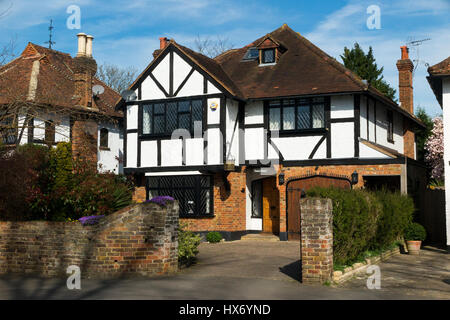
[{"x": 414, "y": 235}]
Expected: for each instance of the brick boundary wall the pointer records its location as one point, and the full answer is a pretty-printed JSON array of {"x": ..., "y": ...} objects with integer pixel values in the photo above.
[
  {"x": 137, "y": 240},
  {"x": 316, "y": 240}
]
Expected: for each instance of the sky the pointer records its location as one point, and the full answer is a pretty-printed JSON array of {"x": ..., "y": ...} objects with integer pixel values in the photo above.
[{"x": 127, "y": 32}]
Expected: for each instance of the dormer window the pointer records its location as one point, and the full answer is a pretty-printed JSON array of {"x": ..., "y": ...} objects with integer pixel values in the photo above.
[
  {"x": 251, "y": 54},
  {"x": 267, "y": 56}
]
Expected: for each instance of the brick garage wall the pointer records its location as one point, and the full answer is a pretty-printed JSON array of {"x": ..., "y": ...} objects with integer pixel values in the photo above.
[
  {"x": 142, "y": 239},
  {"x": 84, "y": 140},
  {"x": 316, "y": 240},
  {"x": 292, "y": 173},
  {"x": 229, "y": 206}
]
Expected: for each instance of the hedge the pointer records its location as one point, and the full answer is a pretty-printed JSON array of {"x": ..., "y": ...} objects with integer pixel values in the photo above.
[{"x": 364, "y": 220}]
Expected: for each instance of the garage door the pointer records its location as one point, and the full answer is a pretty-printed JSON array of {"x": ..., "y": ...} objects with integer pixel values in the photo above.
[{"x": 295, "y": 188}]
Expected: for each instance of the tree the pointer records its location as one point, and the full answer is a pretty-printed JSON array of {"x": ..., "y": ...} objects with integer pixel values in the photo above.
[
  {"x": 434, "y": 147},
  {"x": 212, "y": 48},
  {"x": 364, "y": 65},
  {"x": 117, "y": 78},
  {"x": 423, "y": 135}
]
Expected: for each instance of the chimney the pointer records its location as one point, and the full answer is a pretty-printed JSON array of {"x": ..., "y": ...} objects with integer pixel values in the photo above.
[
  {"x": 163, "y": 43},
  {"x": 81, "y": 45},
  {"x": 405, "y": 79},
  {"x": 89, "y": 40}
]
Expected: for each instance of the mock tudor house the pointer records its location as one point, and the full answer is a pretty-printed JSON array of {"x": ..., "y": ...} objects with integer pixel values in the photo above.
[
  {"x": 237, "y": 139},
  {"x": 439, "y": 80},
  {"x": 52, "y": 97}
]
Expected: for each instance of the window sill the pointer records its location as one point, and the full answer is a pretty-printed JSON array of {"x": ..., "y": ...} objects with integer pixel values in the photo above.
[
  {"x": 303, "y": 132},
  {"x": 267, "y": 64},
  {"x": 209, "y": 216}
]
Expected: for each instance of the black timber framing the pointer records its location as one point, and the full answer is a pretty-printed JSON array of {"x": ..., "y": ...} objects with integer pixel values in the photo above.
[
  {"x": 357, "y": 130},
  {"x": 328, "y": 124}
]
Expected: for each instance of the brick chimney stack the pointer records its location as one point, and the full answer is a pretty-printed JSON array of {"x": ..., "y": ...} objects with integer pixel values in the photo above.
[
  {"x": 163, "y": 43},
  {"x": 405, "y": 68},
  {"x": 405, "y": 80}
]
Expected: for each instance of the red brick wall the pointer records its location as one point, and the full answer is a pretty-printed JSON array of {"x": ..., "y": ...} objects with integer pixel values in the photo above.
[
  {"x": 291, "y": 173},
  {"x": 142, "y": 239},
  {"x": 229, "y": 206}
]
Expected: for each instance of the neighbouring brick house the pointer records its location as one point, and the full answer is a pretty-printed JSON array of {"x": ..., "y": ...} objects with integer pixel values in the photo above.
[
  {"x": 259, "y": 125},
  {"x": 439, "y": 80},
  {"x": 46, "y": 97}
]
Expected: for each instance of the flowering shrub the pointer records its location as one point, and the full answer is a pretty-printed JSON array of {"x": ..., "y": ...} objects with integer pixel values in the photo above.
[
  {"x": 161, "y": 200},
  {"x": 434, "y": 147},
  {"x": 90, "y": 220}
]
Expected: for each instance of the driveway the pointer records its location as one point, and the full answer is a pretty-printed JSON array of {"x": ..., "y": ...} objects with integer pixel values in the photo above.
[{"x": 236, "y": 270}]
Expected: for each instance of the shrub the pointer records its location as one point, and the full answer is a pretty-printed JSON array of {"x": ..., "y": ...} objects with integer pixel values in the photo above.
[
  {"x": 41, "y": 183},
  {"x": 415, "y": 232},
  {"x": 355, "y": 215},
  {"x": 365, "y": 221},
  {"x": 188, "y": 243},
  {"x": 397, "y": 213},
  {"x": 213, "y": 237}
]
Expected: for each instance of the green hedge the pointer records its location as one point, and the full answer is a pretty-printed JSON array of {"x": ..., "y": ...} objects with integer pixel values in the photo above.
[{"x": 364, "y": 220}]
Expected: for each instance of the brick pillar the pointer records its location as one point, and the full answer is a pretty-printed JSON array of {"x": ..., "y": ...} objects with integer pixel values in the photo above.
[
  {"x": 316, "y": 239},
  {"x": 139, "y": 194}
]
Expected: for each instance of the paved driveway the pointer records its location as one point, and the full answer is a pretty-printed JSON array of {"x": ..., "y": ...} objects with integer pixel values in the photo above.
[{"x": 234, "y": 270}]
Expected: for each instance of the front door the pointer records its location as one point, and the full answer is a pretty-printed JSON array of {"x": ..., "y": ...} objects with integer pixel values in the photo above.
[{"x": 271, "y": 206}]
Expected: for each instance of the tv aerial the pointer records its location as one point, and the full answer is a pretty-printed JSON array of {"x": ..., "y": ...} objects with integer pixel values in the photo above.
[
  {"x": 97, "y": 90},
  {"x": 416, "y": 44}
]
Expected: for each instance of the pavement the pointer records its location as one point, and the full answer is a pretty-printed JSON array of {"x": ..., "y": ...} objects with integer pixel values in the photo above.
[{"x": 242, "y": 270}]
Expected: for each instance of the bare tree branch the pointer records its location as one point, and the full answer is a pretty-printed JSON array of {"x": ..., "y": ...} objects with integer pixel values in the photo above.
[
  {"x": 212, "y": 48},
  {"x": 117, "y": 78}
]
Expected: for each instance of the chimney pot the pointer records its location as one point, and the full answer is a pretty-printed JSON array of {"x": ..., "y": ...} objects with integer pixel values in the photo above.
[
  {"x": 81, "y": 44},
  {"x": 405, "y": 52},
  {"x": 89, "y": 40},
  {"x": 163, "y": 42}
]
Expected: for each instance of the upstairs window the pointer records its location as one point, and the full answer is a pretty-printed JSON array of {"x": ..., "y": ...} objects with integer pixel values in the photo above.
[
  {"x": 166, "y": 117},
  {"x": 267, "y": 56},
  {"x": 390, "y": 126},
  {"x": 292, "y": 115},
  {"x": 8, "y": 131},
  {"x": 104, "y": 138}
]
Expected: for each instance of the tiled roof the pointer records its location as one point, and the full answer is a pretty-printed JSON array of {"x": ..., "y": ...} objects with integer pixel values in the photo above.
[
  {"x": 440, "y": 69},
  {"x": 49, "y": 82}
]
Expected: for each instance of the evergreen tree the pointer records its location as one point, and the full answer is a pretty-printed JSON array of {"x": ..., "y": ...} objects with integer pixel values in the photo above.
[
  {"x": 423, "y": 135},
  {"x": 365, "y": 66}
]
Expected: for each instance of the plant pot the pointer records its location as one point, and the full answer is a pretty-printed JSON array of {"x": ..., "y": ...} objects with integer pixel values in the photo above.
[{"x": 413, "y": 246}]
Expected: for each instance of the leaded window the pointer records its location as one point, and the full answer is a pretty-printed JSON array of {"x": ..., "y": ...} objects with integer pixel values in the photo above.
[
  {"x": 268, "y": 56},
  {"x": 297, "y": 114},
  {"x": 165, "y": 118},
  {"x": 194, "y": 193},
  {"x": 390, "y": 126}
]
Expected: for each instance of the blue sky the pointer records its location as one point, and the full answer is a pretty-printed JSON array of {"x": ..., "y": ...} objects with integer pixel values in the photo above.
[{"x": 127, "y": 32}]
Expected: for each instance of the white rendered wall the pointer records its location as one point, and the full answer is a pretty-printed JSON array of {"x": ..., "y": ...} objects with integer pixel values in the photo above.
[
  {"x": 232, "y": 130},
  {"x": 132, "y": 117},
  {"x": 446, "y": 119},
  {"x": 149, "y": 153},
  {"x": 254, "y": 112},
  {"x": 342, "y": 140},
  {"x": 108, "y": 160},
  {"x": 132, "y": 150},
  {"x": 297, "y": 148},
  {"x": 342, "y": 107},
  {"x": 254, "y": 143}
]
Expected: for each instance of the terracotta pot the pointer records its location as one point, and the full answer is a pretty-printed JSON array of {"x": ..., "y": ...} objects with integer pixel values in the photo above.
[{"x": 413, "y": 246}]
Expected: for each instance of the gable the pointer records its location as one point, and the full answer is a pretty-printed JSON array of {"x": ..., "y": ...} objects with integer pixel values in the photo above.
[{"x": 174, "y": 74}]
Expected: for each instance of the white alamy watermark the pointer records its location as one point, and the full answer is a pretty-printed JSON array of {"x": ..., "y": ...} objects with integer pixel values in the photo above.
[
  {"x": 74, "y": 280},
  {"x": 74, "y": 20},
  {"x": 374, "y": 19},
  {"x": 374, "y": 280},
  {"x": 232, "y": 150}
]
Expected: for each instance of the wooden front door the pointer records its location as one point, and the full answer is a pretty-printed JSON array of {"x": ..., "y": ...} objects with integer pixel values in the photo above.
[
  {"x": 271, "y": 206},
  {"x": 294, "y": 194}
]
